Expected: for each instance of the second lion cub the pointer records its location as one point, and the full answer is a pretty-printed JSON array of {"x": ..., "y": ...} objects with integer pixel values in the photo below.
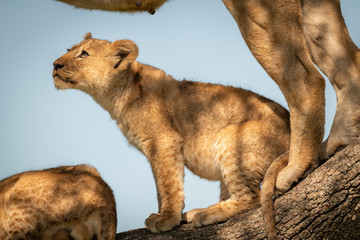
[
  {"x": 218, "y": 132},
  {"x": 68, "y": 202}
]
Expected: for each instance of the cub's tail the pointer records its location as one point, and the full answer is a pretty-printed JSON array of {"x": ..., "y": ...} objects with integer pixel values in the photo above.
[{"x": 267, "y": 193}]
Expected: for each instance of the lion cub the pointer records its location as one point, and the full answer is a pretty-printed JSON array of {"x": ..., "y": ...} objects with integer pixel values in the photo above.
[
  {"x": 71, "y": 202},
  {"x": 218, "y": 132}
]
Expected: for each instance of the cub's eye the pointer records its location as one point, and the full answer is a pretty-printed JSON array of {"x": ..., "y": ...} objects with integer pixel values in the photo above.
[{"x": 84, "y": 54}]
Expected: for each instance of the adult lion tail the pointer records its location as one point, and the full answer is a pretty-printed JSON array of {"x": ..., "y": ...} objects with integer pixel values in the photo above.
[{"x": 267, "y": 193}]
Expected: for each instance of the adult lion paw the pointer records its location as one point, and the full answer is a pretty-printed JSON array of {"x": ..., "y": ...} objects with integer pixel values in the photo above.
[{"x": 161, "y": 222}]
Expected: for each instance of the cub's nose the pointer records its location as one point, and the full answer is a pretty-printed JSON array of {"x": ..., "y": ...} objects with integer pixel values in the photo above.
[{"x": 57, "y": 65}]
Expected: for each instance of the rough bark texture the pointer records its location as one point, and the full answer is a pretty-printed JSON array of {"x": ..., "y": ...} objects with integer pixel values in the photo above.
[{"x": 324, "y": 205}]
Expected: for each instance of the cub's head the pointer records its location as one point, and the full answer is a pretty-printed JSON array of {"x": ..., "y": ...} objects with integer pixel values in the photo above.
[{"x": 94, "y": 65}]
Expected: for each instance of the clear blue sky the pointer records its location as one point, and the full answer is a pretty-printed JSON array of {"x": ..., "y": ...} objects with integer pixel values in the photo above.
[{"x": 42, "y": 127}]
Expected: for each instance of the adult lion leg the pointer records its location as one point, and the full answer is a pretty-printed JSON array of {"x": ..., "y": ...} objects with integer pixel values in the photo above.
[
  {"x": 274, "y": 33},
  {"x": 338, "y": 57}
]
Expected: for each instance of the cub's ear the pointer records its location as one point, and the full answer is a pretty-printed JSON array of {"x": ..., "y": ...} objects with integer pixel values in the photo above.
[
  {"x": 123, "y": 53},
  {"x": 87, "y": 36}
]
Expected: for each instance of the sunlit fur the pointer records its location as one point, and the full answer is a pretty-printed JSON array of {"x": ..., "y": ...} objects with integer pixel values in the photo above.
[
  {"x": 220, "y": 133},
  {"x": 287, "y": 38},
  {"x": 71, "y": 202},
  {"x": 118, "y": 5}
]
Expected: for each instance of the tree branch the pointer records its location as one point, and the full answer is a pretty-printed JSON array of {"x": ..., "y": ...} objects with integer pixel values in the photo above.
[{"x": 324, "y": 205}]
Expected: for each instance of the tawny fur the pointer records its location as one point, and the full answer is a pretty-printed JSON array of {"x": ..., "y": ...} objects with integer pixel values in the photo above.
[
  {"x": 220, "y": 133},
  {"x": 287, "y": 38},
  {"x": 118, "y": 5},
  {"x": 70, "y": 202}
]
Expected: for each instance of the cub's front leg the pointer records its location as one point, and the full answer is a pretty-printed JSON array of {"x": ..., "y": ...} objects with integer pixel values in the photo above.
[{"x": 168, "y": 169}]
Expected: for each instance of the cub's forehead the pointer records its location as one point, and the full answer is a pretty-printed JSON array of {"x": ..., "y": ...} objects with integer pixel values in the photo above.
[{"x": 94, "y": 44}]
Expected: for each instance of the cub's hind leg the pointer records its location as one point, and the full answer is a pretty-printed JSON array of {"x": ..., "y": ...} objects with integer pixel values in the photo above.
[
  {"x": 223, "y": 210},
  {"x": 241, "y": 197},
  {"x": 243, "y": 152},
  {"x": 239, "y": 193}
]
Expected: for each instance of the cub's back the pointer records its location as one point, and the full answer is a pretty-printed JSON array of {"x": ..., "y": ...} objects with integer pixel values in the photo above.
[
  {"x": 58, "y": 188},
  {"x": 194, "y": 106}
]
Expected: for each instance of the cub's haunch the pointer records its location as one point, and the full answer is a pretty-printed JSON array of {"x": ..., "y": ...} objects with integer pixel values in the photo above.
[
  {"x": 218, "y": 132},
  {"x": 70, "y": 202}
]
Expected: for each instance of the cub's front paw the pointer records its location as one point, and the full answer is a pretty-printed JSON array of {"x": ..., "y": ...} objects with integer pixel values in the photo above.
[{"x": 162, "y": 222}]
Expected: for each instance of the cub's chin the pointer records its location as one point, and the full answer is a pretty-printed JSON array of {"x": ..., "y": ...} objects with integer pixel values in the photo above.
[{"x": 63, "y": 84}]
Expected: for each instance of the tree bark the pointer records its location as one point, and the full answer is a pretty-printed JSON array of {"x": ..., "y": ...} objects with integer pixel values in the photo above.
[{"x": 324, "y": 205}]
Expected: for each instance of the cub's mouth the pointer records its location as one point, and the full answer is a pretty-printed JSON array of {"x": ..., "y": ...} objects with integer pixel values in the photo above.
[{"x": 57, "y": 76}]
